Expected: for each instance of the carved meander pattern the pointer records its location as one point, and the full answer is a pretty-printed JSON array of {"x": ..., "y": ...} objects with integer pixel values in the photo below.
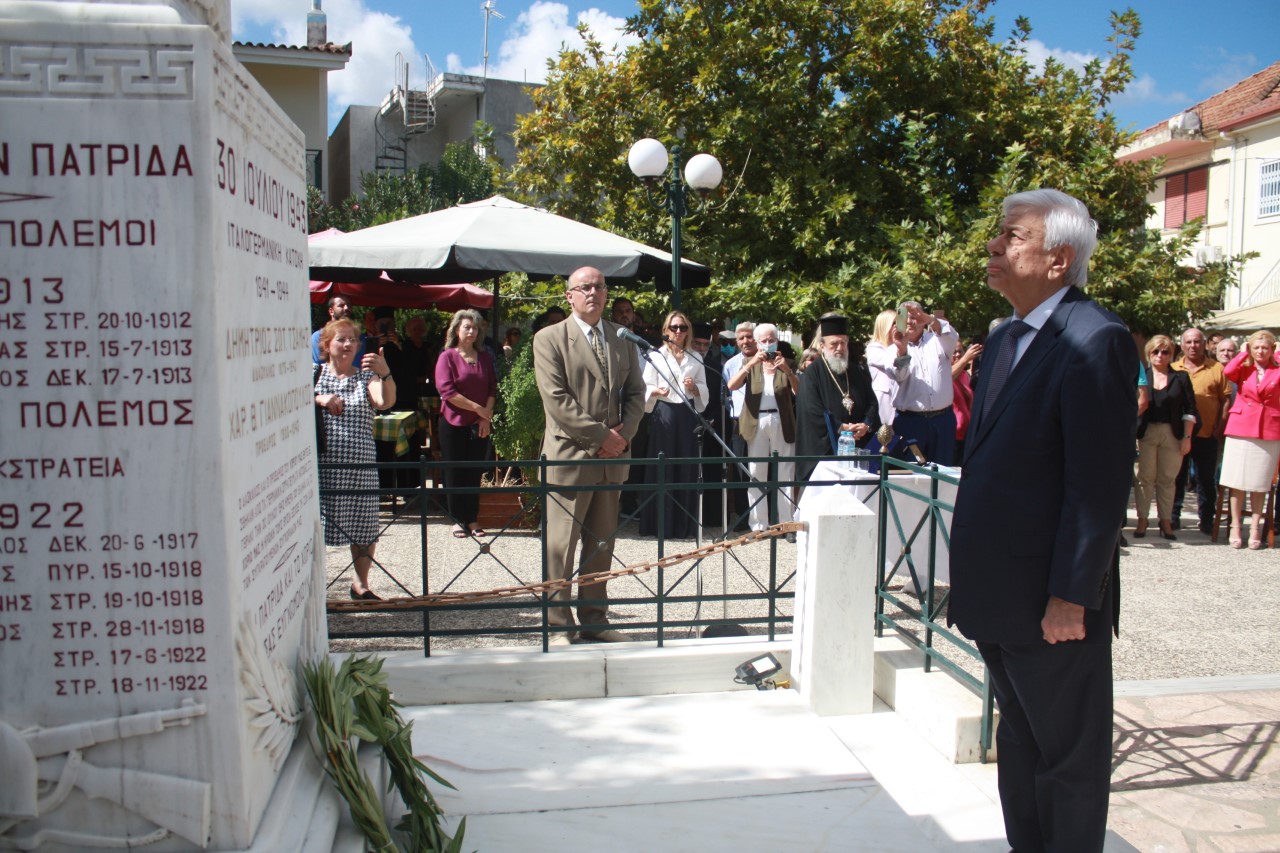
[{"x": 53, "y": 70}]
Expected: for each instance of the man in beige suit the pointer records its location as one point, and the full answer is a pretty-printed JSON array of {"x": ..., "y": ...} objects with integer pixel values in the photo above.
[{"x": 593, "y": 396}]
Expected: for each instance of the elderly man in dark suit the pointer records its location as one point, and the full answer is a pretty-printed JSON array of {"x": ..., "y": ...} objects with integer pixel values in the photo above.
[
  {"x": 593, "y": 396},
  {"x": 1034, "y": 540}
]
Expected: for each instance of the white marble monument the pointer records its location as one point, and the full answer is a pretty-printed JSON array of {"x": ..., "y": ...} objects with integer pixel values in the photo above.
[{"x": 158, "y": 517}]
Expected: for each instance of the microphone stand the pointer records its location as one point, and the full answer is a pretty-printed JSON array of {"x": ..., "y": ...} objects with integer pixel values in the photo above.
[
  {"x": 703, "y": 428},
  {"x": 703, "y": 424}
]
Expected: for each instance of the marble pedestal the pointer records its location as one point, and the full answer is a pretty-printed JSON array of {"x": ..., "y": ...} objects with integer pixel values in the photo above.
[
  {"x": 158, "y": 524},
  {"x": 833, "y": 660}
]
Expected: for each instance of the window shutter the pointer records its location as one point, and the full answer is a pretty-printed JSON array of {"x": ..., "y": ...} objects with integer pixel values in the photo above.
[
  {"x": 1175, "y": 201},
  {"x": 1197, "y": 194}
]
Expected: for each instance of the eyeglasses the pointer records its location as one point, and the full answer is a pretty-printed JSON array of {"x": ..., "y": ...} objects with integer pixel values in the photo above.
[
  {"x": 678, "y": 327},
  {"x": 587, "y": 288}
]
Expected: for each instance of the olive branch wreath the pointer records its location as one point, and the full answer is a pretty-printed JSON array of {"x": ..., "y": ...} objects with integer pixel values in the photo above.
[{"x": 352, "y": 703}]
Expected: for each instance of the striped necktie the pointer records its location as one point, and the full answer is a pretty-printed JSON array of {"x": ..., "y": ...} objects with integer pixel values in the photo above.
[
  {"x": 597, "y": 344},
  {"x": 1003, "y": 363}
]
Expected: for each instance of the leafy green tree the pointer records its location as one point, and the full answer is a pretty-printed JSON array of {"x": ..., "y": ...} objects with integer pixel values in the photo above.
[{"x": 866, "y": 145}]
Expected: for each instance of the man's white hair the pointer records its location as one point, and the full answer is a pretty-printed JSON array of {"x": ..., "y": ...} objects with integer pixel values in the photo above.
[
  {"x": 1066, "y": 222},
  {"x": 765, "y": 328}
]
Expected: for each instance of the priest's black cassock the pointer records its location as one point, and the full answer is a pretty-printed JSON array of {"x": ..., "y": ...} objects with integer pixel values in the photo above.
[{"x": 821, "y": 395}]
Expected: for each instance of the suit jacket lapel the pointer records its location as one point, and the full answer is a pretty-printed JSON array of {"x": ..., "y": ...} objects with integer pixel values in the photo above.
[
  {"x": 580, "y": 346},
  {"x": 612, "y": 350},
  {"x": 1042, "y": 345}
]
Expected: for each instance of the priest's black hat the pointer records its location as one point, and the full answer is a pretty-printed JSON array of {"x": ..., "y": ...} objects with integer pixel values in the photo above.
[{"x": 833, "y": 324}]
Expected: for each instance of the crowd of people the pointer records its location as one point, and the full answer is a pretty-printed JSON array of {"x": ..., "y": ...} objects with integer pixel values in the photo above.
[
  {"x": 1054, "y": 414},
  {"x": 1209, "y": 412},
  {"x": 1209, "y": 419}
]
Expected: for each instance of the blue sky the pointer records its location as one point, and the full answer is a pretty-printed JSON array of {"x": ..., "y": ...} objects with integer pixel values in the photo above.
[{"x": 1188, "y": 50}]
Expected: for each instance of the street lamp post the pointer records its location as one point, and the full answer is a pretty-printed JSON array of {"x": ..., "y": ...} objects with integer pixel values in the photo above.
[{"x": 648, "y": 161}]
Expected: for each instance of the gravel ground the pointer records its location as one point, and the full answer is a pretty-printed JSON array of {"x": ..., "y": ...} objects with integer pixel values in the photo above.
[{"x": 1190, "y": 607}]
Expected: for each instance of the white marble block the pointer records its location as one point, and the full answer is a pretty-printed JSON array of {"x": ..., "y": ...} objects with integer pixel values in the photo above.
[
  {"x": 833, "y": 659},
  {"x": 158, "y": 517}
]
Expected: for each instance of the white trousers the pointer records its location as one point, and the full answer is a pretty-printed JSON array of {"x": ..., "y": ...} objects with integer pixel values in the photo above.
[{"x": 767, "y": 440}]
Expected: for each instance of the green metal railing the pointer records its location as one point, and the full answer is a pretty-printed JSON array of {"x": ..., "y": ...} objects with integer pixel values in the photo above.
[
  {"x": 760, "y": 608},
  {"x": 908, "y": 550}
]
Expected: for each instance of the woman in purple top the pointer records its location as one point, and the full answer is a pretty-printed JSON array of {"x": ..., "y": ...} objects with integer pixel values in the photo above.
[{"x": 468, "y": 386}]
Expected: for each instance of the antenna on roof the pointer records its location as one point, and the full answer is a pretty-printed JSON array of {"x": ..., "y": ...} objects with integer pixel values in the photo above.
[{"x": 489, "y": 12}]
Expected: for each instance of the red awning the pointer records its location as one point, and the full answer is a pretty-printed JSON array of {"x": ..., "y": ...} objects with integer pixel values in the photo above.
[{"x": 394, "y": 294}]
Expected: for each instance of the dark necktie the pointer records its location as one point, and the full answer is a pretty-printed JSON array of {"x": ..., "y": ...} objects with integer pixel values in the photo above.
[
  {"x": 597, "y": 344},
  {"x": 1003, "y": 363}
]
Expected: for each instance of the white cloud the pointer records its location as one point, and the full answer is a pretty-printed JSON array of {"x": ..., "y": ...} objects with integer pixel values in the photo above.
[
  {"x": 1223, "y": 70},
  {"x": 538, "y": 34},
  {"x": 376, "y": 37},
  {"x": 1145, "y": 90},
  {"x": 277, "y": 16},
  {"x": 1038, "y": 52}
]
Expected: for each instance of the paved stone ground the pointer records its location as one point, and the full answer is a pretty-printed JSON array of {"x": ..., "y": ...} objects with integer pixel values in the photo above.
[
  {"x": 1190, "y": 608},
  {"x": 1197, "y": 772},
  {"x": 1196, "y": 768}
]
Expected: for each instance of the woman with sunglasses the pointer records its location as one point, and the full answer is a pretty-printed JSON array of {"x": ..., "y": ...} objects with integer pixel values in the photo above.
[
  {"x": 672, "y": 376},
  {"x": 1164, "y": 435}
]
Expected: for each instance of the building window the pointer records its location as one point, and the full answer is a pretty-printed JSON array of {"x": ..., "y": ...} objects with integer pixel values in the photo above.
[
  {"x": 315, "y": 168},
  {"x": 1269, "y": 191},
  {"x": 1186, "y": 197}
]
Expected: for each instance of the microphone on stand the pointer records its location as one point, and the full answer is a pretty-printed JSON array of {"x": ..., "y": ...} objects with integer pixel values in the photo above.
[{"x": 627, "y": 335}]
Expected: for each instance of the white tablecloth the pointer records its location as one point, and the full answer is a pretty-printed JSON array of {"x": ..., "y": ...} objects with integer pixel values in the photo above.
[{"x": 862, "y": 487}]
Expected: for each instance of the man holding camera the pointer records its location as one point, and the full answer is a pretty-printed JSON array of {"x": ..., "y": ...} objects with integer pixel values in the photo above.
[
  {"x": 767, "y": 419},
  {"x": 921, "y": 366}
]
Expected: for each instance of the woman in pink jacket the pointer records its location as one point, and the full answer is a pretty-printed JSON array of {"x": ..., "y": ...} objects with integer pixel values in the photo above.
[{"x": 1252, "y": 448}]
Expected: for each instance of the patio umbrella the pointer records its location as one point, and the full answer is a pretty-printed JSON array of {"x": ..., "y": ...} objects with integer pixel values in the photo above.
[
  {"x": 485, "y": 239},
  {"x": 384, "y": 291}
]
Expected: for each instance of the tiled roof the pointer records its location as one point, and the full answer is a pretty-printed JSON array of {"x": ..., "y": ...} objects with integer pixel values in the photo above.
[
  {"x": 329, "y": 47},
  {"x": 1258, "y": 93}
]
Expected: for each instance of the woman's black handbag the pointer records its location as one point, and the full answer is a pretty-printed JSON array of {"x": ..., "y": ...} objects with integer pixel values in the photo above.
[{"x": 321, "y": 445}]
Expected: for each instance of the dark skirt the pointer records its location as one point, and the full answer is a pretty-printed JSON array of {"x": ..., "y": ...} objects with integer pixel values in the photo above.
[{"x": 671, "y": 433}]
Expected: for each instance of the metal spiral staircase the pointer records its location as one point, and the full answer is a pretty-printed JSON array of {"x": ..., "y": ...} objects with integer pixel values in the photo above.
[{"x": 405, "y": 112}]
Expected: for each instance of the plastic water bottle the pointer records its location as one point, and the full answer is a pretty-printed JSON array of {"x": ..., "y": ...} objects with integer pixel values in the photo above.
[{"x": 847, "y": 446}]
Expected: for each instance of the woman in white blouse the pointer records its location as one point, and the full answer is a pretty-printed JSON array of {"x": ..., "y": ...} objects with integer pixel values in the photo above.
[{"x": 673, "y": 381}]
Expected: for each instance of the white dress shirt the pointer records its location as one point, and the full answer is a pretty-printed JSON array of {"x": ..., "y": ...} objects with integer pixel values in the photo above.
[
  {"x": 661, "y": 369},
  {"x": 739, "y": 396},
  {"x": 924, "y": 374},
  {"x": 1036, "y": 318}
]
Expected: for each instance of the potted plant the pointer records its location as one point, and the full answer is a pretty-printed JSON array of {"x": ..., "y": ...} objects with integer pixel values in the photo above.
[{"x": 517, "y": 436}]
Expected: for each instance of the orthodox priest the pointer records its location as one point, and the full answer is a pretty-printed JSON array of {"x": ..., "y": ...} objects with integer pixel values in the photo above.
[{"x": 834, "y": 395}]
